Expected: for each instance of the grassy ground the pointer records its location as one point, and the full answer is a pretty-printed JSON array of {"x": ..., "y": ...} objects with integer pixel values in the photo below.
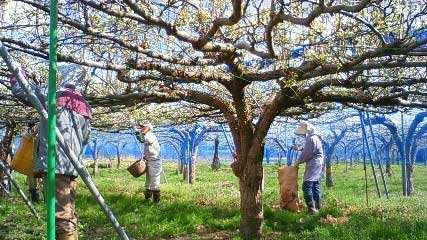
[{"x": 209, "y": 209}]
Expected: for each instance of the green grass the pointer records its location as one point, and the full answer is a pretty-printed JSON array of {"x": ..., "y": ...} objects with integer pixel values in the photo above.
[{"x": 210, "y": 208}]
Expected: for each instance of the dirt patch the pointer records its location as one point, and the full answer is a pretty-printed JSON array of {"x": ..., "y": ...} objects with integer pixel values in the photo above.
[
  {"x": 97, "y": 233},
  {"x": 333, "y": 220}
]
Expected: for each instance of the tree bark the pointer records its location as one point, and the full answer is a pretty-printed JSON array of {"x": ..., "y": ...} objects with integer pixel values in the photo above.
[
  {"x": 5, "y": 147},
  {"x": 189, "y": 171},
  {"x": 185, "y": 172},
  {"x": 119, "y": 160},
  {"x": 5, "y": 151},
  {"x": 215, "y": 161},
  {"x": 95, "y": 167},
  {"x": 181, "y": 167},
  {"x": 388, "y": 168},
  {"x": 193, "y": 165},
  {"x": 251, "y": 203},
  {"x": 329, "y": 178},
  {"x": 410, "y": 178},
  {"x": 387, "y": 158},
  {"x": 95, "y": 154}
]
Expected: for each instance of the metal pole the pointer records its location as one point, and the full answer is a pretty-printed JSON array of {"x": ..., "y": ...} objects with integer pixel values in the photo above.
[
  {"x": 378, "y": 156},
  {"x": 404, "y": 173},
  {"x": 286, "y": 136},
  {"x": 188, "y": 157},
  {"x": 51, "y": 137},
  {"x": 346, "y": 164},
  {"x": 33, "y": 210},
  {"x": 365, "y": 138},
  {"x": 365, "y": 170},
  {"x": 228, "y": 142}
]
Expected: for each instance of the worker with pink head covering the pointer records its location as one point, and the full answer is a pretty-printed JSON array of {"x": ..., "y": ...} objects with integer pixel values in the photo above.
[{"x": 73, "y": 121}]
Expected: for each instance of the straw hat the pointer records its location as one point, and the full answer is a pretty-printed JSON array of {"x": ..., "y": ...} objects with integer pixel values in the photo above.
[{"x": 302, "y": 128}]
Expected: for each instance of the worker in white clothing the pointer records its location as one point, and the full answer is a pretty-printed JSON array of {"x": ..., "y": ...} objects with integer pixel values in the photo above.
[{"x": 152, "y": 158}]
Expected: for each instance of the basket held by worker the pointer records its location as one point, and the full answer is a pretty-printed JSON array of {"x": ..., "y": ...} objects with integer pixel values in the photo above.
[{"x": 137, "y": 168}]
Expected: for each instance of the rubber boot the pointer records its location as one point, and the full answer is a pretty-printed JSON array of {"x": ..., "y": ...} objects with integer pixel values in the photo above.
[
  {"x": 35, "y": 195},
  {"x": 67, "y": 236},
  {"x": 318, "y": 204},
  {"x": 148, "y": 193},
  {"x": 312, "y": 209},
  {"x": 156, "y": 196}
]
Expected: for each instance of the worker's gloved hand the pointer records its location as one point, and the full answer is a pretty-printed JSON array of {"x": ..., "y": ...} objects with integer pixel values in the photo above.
[{"x": 296, "y": 148}]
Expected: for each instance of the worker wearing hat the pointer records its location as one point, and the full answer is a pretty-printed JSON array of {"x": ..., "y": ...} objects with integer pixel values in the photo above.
[
  {"x": 73, "y": 121},
  {"x": 152, "y": 157},
  {"x": 312, "y": 155}
]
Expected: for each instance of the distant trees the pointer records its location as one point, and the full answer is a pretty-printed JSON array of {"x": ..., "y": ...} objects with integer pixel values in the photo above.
[
  {"x": 118, "y": 147},
  {"x": 190, "y": 139},
  {"x": 329, "y": 148},
  {"x": 95, "y": 149},
  {"x": 6, "y": 152},
  {"x": 406, "y": 144},
  {"x": 216, "y": 163}
]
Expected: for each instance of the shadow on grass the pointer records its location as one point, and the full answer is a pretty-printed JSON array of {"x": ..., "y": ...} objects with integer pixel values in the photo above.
[
  {"x": 147, "y": 220},
  {"x": 366, "y": 224},
  {"x": 174, "y": 219},
  {"x": 186, "y": 220},
  {"x": 17, "y": 222}
]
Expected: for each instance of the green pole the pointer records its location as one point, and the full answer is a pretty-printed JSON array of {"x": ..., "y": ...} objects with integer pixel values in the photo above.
[{"x": 51, "y": 139}]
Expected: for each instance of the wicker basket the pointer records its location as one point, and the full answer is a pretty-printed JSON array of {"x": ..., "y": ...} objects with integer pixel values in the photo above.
[{"x": 137, "y": 168}]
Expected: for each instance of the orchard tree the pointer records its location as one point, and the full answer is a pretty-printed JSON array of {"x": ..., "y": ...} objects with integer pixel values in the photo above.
[
  {"x": 407, "y": 145},
  {"x": 245, "y": 61},
  {"x": 329, "y": 150},
  {"x": 118, "y": 148},
  {"x": 387, "y": 143},
  {"x": 190, "y": 139}
]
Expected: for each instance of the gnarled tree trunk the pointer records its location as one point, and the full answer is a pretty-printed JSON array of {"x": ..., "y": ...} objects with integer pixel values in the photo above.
[
  {"x": 410, "y": 178},
  {"x": 215, "y": 161},
  {"x": 193, "y": 165},
  {"x": 119, "y": 159},
  {"x": 5, "y": 152},
  {"x": 329, "y": 179},
  {"x": 388, "y": 168},
  {"x": 95, "y": 167},
  {"x": 251, "y": 202},
  {"x": 189, "y": 171},
  {"x": 181, "y": 167}
]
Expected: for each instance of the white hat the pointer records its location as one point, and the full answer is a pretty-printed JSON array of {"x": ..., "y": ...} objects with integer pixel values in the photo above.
[
  {"x": 145, "y": 124},
  {"x": 302, "y": 128}
]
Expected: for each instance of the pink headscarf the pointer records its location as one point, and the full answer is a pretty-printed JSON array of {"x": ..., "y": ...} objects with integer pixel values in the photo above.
[
  {"x": 74, "y": 100},
  {"x": 67, "y": 98}
]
